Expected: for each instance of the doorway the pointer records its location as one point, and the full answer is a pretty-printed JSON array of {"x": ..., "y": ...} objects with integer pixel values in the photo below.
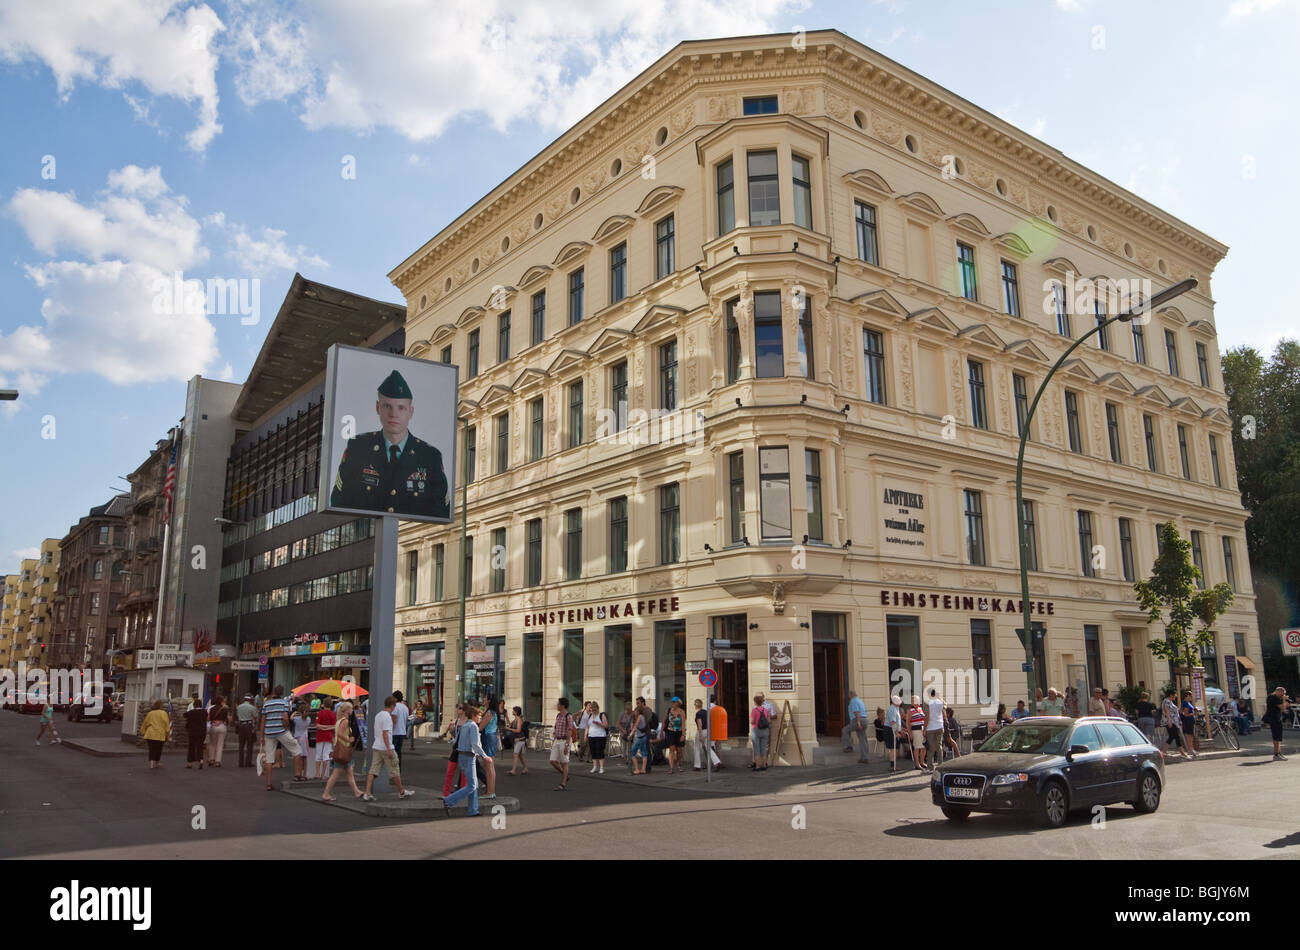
[
  {"x": 830, "y": 683},
  {"x": 732, "y": 690}
]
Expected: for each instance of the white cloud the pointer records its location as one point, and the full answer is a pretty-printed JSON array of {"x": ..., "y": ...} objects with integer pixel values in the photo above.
[
  {"x": 23, "y": 554},
  {"x": 551, "y": 62},
  {"x": 227, "y": 373},
  {"x": 1069, "y": 6},
  {"x": 269, "y": 252},
  {"x": 1243, "y": 8},
  {"x": 161, "y": 45}
]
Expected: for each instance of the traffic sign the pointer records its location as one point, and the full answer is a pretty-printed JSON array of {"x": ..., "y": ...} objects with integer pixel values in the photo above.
[
  {"x": 696, "y": 666},
  {"x": 708, "y": 678},
  {"x": 1291, "y": 641}
]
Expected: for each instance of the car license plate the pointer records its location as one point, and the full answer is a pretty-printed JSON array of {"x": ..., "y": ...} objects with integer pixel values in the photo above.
[{"x": 962, "y": 792}]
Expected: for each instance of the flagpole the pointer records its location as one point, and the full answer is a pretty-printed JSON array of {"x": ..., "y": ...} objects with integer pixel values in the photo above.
[{"x": 168, "y": 489}]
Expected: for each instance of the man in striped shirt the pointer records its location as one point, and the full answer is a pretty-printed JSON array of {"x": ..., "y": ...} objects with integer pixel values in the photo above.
[{"x": 275, "y": 729}]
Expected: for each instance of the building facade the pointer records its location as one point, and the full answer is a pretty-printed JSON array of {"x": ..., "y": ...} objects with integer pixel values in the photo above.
[
  {"x": 89, "y": 583},
  {"x": 745, "y": 355}
]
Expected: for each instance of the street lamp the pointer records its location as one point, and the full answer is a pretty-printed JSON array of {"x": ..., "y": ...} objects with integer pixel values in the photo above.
[
  {"x": 243, "y": 569},
  {"x": 1145, "y": 307}
]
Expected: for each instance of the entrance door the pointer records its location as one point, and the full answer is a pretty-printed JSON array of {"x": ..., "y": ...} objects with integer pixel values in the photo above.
[
  {"x": 828, "y": 688},
  {"x": 732, "y": 690}
]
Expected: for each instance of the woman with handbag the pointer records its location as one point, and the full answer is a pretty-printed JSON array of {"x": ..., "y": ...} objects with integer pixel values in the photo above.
[
  {"x": 341, "y": 755},
  {"x": 156, "y": 729},
  {"x": 218, "y": 721},
  {"x": 518, "y": 733},
  {"x": 453, "y": 728},
  {"x": 597, "y": 736}
]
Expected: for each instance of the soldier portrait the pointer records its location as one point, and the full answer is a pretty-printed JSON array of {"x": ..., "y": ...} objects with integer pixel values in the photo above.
[{"x": 392, "y": 470}]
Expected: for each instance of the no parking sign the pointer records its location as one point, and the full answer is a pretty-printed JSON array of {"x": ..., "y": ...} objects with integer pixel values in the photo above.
[{"x": 708, "y": 678}]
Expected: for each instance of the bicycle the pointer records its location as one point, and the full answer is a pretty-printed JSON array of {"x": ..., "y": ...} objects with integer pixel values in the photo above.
[{"x": 1225, "y": 731}]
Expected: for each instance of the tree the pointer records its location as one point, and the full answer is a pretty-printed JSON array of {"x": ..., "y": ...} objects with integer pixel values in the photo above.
[{"x": 1171, "y": 589}]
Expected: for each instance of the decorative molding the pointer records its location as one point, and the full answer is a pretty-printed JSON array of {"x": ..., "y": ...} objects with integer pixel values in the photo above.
[{"x": 909, "y": 575}]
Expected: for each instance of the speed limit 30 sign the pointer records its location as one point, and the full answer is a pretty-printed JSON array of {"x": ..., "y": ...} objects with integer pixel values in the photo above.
[{"x": 1290, "y": 641}]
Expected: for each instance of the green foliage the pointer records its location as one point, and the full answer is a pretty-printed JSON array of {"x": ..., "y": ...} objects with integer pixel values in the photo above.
[
  {"x": 1127, "y": 697},
  {"x": 1170, "y": 594}
]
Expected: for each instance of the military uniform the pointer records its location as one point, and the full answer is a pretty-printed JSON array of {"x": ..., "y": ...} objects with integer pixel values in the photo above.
[{"x": 369, "y": 477}]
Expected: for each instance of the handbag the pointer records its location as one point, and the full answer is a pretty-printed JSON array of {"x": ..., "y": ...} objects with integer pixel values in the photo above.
[{"x": 342, "y": 753}]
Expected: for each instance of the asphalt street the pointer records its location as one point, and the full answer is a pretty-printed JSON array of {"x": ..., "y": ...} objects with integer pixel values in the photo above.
[{"x": 58, "y": 802}]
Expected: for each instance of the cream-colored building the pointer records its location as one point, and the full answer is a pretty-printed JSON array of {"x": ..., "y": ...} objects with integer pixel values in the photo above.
[
  {"x": 26, "y": 611},
  {"x": 835, "y": 277},
  {"x": 10, "y": 652}
]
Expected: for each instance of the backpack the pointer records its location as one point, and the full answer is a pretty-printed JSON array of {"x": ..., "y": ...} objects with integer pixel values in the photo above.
[
  {"x": 763, "y": 721},
  {"x": 524, "y": 734},
  {"x": 652, "y": 723}
]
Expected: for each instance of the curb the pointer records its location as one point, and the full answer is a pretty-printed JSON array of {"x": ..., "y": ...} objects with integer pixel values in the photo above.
[{"x": 99, "y": 753}]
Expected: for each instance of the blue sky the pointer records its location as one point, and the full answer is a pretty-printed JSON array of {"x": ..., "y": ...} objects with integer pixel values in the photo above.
[{"x": 209, "y": 138}]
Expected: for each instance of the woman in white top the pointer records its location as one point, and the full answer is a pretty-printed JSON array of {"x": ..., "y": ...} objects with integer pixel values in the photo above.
[
  {"x": 301, "y": 725},
  {"x": 597, "y": 735}
]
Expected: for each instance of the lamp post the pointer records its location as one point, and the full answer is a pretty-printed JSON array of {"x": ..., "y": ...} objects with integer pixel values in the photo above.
[
  {"x": 464, "y": 579},
  {"x": 1144, "y": 307},
  {"x": 243, "y": 569}
]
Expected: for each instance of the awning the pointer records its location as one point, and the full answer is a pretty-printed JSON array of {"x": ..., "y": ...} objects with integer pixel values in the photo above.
[{"x": 1244, "y": 663}]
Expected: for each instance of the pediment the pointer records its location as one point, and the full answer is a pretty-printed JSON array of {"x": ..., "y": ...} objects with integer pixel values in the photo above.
[
  {"x": 1061, "y": 265},
  {"x": 470, "y": 313},
  {"x": 1028, "y": 349},
  {"x": 656, "y": 315},
  {"x": 1079, "y": 369},
  {"x": 495, "y": 393},
  {"x": 530, "y": 379},
  {"x": 572, "y": 251},
  {"x": 1189, "y": 405},
  {"x": 535, "y": 274},
  {"x": 869, "y": 180},
  {"x": 612, "y": 226},
  {"x": 611, "y": 337},
  {"x": 1154, "y": 394},
  {"x": 934, "y": 318},
  {"x": 499, "y": 299},
  {"x": 466, "y": 407},
  {"x": 982, "y": 333},
  {"x": 1173, "y": 315},
  {"x": 920, "y": 201},
  {"x": 418, "y": 348},
  {"x": 566, "y": 360},
  {"x": 1219, "y": 415},
  {"x": 970, "y": 224},
  {"x": 1119, "y": 382},
  {"x": 440, "y": 334},
  {"x": 1013, "y": 244},
  {"x": 1202, "y": 328},
  {"x": 881, "y": 301},
  {"x": 659, "y": 198}
]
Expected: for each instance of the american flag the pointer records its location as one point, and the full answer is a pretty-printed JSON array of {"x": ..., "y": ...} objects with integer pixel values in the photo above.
[{"x": 169, "y": 483}]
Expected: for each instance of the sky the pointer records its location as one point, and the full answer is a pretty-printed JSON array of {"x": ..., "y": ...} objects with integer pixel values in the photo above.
[{"x": 146, "y": 139}]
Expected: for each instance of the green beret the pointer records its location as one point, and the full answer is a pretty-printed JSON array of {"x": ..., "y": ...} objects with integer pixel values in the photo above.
[{"x": 394, "y": 387}]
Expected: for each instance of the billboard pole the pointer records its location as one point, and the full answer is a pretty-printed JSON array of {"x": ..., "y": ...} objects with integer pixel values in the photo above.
[
  {"x": 383, "y": 609},
  {"x": 464, "y": 526}
]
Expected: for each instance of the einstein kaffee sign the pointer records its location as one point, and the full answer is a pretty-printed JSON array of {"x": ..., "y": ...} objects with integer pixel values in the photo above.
[{"x": 614, "y": 610}]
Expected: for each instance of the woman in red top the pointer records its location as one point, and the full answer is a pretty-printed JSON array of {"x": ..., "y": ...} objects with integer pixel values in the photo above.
[
  {"x": 916, "y": 719},
  {"x": 325, "y": 722}
]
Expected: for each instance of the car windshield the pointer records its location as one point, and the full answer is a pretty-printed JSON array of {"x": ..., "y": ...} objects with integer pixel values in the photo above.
[{"x": 1031, "y": 740}]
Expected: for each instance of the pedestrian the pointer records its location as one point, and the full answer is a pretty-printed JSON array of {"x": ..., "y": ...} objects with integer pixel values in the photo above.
[
  {"x": 1116, "y": 709},
  {"x": 561, "y": 739},
  {"x": 218, "y": 726},
  {"x": 583, "y": 719},
  {"x": 301, "y": 735},
  {"x": 1169, "y": 716},
  {"x": 363, "y": 724},
  {"x": 894, "y": 731},
  {"x": 1278, "y": 706},
  {"x": 1053, "y": 705},
  {"x": 156, "y": 730},
  {"x": 952, "y": 731},
  {"x": 401, "y": 716},
  {"x": 342, "y": 752},
  {"x": 489, "y": 736},
  {"x": 916, "y": 731},
  {"x": 857, "y": 726},
  {"x": 934, "y": 730},
  {"x": 47, "y": 722},
  {"x": 519, "y": 730},
  {"x": 1146, "y": 711},
  {"x": 702, "y": 736},
  {"x": 1072, "y": 702},
  {"x": 1001, "y": 718},
  {"x": 1097, "y": 706},
  {"x": 453, "y": 727},
  {"x": 1247, "y": 710},
  {"x": 274, "y": 732},
  {"x": 1021, "y": 710},
  {"x": 196, "y": 731},
  {"x": 674, "y": 733},
  {"x": 246, "y": 727},
  {"x": 595, "y": 736},
  {"x": 468, "y": 750},
  {"x": 326, "y": 721},
  {"x": 384, "y": 752},
  {"x": 1187, "y": 713},
  {"x": 761, "y": 730},
  {"x": 640, "y": 738}
]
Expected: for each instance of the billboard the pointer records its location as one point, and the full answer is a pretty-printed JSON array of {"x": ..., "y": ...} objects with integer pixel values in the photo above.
[{"x": 389, "y": 439}]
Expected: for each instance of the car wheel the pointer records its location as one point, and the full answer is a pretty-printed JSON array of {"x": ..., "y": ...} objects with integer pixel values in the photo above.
[
  {"x": 955, "y": 812},
  {"x": 1148, "y": 796},
  {"x": 1054, "y": 805}
]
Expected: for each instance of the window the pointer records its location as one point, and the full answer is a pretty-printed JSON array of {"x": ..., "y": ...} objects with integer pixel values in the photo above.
[
  {"x": 618, "y": 534},
  {"x": 974, "y": 527},
  {"x": 103, "y": 535},
  {"x": 1010, "y": 289},
  {"x": 1239, "y": 640},
  {"x": 764, "y": 189},
  {"x": 864, "y": 220},
  {"x": 736, "y": 495},
  {"x": 873, "y": 351},
  {"x": 532, "y": 676},
  {"x": 1149, "y": 435},
  {"x": 94, "y": 604},
  {"x": 769, "y": 351},
  {"x": 446, "y": 355},
  {"x": 539, "y": 318},
  {"x": 665, "y": 247},
  {"x": 503, "y": 337},
  {"x": 573, "y": 544},
  {"x": 978, "y": 410},
  {"x": 575, "y": 296},
  {"x": 1171, "y": 350},
  {"x": 498, "y": 560},
  {"x": 1021, "y": 387},
  {"x": 1112, "y": 432},
  {"x": 760, "y": 105},
  {"x": 667, "y": 375},
  {"x": 618, "y": 391},
  {"x": 536, "y": 430},
  {"x": 1126, "y": 549},
  {"x": 1139, "y": 342},
  {"x": 1198, "y": 558},
  {"x": 1203, "y": 364},
  {"x": 503, "y": 442},
  {"x": 669, "y": 660},
  {"x": 807, "y": 364},
  {"x": 1230, "y": 567},
  {"x": 471, "y": 453},
  {"x": 573, "y": 667},
  {"x": 99, "y": 570},
  {"x": 1092, "y": 654},
  {"x": 802, "y": 191},
  {"x": 726, "y": 198},
  {"x": 813, "y": 479},
  {"x": 774, "y": 492},
  {"x": 534, "y": 552},
  {"x": 473, "y": 353},
  {"x": 412, "y": 577},
  {"x": 1072, "y": 421},
  {"x": 670, "y": 542},
  {"x": 439, "y": 570},
  {"x": 469, "y": 565},
  {"x": 1182, "y": 453},
  {"x": 618, "y": 273},
  {"x": 575, "y": 414},
  {"x": 981, "y": 646},
  {"x": 1214, "y": 461},
  {"x": 1062, "y": 310},
  {"x": 966, "y": 265},
  {"x": 1085, "y": 543},
  {"x": 1031, "y": 537},
  {"x": 733, "y": 343}
]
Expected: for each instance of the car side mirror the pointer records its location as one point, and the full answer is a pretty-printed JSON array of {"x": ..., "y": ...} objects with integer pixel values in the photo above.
[{"x": 1077, "y": 750}]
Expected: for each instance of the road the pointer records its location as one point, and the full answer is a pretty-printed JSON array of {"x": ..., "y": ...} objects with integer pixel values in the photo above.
[{"x": 57, "y": 802}]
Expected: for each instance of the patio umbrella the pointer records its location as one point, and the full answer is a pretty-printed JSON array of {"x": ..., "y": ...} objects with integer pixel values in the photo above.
[{"x": 340, "y": 688}]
